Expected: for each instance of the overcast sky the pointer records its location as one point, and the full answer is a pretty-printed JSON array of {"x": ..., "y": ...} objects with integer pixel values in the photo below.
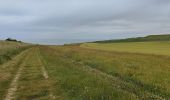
[{"x": 83, "y": 19}]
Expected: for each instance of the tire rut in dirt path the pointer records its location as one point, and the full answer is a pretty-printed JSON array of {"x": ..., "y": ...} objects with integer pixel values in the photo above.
[
  {"x": 14, "y": 84},
  {"x": 44, "y": 72}
]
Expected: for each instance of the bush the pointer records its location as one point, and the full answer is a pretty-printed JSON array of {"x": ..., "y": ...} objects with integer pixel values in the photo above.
[{"x": 13, "y": 40}]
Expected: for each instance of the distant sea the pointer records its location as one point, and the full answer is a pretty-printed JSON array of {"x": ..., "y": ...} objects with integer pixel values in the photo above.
[{"x": 59, "y": 41}]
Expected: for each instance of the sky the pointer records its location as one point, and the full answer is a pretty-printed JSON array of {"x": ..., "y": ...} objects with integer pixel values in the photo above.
[{"x": 56, "y": 20}]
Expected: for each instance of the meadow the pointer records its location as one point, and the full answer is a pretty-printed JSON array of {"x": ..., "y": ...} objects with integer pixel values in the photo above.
[
  {"x": 88, "y": 72},
  {"x": 143, "y": 76},
  {"x": 153, "y": 47}
]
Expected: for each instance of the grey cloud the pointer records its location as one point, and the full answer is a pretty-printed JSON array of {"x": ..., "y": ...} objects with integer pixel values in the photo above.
[{"x": 83, "y": 18}]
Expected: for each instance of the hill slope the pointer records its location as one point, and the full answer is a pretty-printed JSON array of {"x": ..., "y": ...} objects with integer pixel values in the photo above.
[{"x": 165, "y": 37}]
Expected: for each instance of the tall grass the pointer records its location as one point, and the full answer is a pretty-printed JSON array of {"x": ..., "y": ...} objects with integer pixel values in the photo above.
[
  {"x": 9, "y": 49},
  {"x": 76, "y": 83},
  {"x": 142, "y": 75}
]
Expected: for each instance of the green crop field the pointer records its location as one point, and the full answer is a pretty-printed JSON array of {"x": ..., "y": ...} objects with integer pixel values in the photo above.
[
  {"x": 158, "y": 47},
  {"x": 90, "y": 71}
]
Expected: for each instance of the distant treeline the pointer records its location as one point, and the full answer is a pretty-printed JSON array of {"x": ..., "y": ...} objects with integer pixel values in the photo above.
[
  {"x": 13, "y": 40},
  {"x": 165, "y": 37}
]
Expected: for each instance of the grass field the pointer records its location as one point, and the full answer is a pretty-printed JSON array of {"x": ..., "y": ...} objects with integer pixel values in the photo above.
[
  {"x": 9, "y": 49},
  {"x": 162, "y": 37},
  {"x": 158, "y": 47},
  {"x": 88, "y": 72}
]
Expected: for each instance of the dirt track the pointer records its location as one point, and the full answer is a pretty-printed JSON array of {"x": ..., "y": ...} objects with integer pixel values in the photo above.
[{"x": 31, "y": 66}]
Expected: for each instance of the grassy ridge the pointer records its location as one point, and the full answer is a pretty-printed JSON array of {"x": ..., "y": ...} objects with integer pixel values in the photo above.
[
  {"x": 165, "y": 37},
  {"x": 8, "y": 71}
]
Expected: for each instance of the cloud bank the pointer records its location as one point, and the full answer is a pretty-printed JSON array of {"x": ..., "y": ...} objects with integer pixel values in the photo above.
[{"x": 83, "y": 19}]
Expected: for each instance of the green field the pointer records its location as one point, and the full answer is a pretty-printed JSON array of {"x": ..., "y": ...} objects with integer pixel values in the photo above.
[
  {"x": 158, "y": 47},
  {"x": 162, "y": 37},
  {"x": 90, "y": 71}
]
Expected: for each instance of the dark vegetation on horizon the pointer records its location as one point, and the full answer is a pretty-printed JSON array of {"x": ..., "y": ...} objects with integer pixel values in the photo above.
[
  {"x": 13, "y": 40},
  {"x": 165, "y": 37}
]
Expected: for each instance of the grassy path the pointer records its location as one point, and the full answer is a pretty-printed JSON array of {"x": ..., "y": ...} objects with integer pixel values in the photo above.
[
  {"x": 45, "y": 73},
  {"x": 35, "y": 82},
  {"x": 25, "y": 77},
  {"x": 8, "y": 72},
  {"x": 14, "y": 84}
]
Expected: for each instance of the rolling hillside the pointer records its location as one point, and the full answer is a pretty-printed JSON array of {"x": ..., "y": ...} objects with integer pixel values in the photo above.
[
  {"x": 165, "y": 37},
  {"x": 76, "y": 72}
]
